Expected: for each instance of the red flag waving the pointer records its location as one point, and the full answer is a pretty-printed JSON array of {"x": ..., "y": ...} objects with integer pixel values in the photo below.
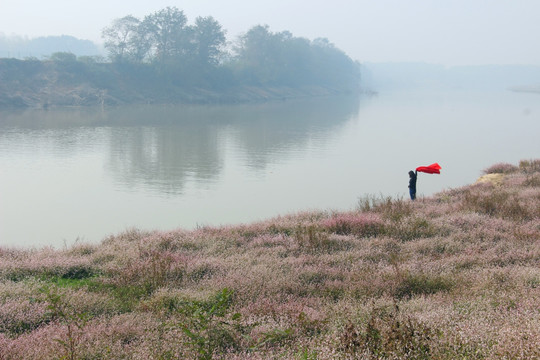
[{"x": 431, "y": 169}]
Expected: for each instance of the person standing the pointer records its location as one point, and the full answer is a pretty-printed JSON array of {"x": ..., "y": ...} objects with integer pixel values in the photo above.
[{"x": 412, "y": 184}]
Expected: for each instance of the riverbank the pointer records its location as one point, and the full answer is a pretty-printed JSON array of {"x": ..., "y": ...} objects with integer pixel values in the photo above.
[
  {"x": 46, "y": 84},
  {"x": 455, "y": 275},
  {"x": 85, "y": 94}
]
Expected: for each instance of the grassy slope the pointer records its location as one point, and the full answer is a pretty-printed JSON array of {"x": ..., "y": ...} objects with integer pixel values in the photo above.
[{"x": 456, "y": 275}]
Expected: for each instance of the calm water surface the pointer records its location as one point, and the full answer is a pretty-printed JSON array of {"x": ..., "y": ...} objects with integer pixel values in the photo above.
[{"x": 83, "y": 174}]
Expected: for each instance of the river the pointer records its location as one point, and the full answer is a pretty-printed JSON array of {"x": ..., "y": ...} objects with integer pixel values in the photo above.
[{"x": 69, "y": 175}]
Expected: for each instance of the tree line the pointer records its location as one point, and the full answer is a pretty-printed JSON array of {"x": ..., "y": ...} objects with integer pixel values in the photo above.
[{"x": 200, "y": 54}]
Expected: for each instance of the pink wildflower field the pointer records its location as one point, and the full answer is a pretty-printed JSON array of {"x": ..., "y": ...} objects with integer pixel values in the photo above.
[{"x": 451, "y": 276}]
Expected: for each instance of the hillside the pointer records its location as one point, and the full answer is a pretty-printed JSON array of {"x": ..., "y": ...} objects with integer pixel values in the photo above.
[
  {"x": 42, "y": 47},
  {"x": 452, "y": 276}
]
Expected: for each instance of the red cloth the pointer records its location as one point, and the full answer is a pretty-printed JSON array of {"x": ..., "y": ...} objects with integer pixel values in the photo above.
[{"x": 431, "y": 169}]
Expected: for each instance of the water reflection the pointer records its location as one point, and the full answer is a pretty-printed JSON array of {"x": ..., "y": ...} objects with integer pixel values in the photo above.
[
  {"x": 61, "y": 133},
  {"x": 161, "y": 158},
  {"x": 161, "y": 148},
  {"x": 271, "y": 132}
]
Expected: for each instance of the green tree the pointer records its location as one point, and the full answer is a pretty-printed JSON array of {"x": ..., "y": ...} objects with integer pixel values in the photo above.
[
  {"x": 257, "y": 54},
  {"x": 194, "y": 55},
  {"x": 295, "y": 61},
  {"x": 332, "y": 67},
  {"x": 168, "y": 34},
  {"x": 209, "y": 40},
  {"x": 267, "y": 58}
]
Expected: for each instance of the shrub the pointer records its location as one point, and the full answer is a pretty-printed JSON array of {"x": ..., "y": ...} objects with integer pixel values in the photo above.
[
  {"x": 420, "y": 284},
  {"x": 313, "y": 238},
  {"x": 390, "y": 209},
  {"x": 20, "y": 316},
  {"x": 412, "y": 228},
  {"x": 63, "y": 57},
  {"x": 532, "y": 181},
  {"x": 389, "y": 335},
  {"x": 208, "y": 326},
  {"x": 369, "y": 202},
  {"x": 363, "y": 224},
  {"x": 501, "y": 168},
  {"x": 201, "y": 272},
  {"x": 78, "y": 272},
  {"x": 60, "y": 310},
  {"x": 495, "y": 203},
  {"x": 530, "y": 166},
  {"x": 151, "y": 270}
]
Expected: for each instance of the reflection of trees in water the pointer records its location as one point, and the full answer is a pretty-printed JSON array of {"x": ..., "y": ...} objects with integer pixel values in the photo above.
[
  {"x": 273, "y": 131},
  {"x": 164, "y": 157},
  {"x": 63, "y": 133},
  {"x": 163, "y": 147}
]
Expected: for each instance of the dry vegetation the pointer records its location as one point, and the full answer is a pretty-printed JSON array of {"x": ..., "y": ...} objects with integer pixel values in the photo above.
[{"x": 453, "y": 276}]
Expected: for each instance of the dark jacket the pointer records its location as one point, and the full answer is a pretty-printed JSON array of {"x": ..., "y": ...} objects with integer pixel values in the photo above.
[{"x": 412, "y": 181}]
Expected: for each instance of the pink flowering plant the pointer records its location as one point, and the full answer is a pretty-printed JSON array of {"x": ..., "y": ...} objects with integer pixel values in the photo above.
[{"x": 451, "y": 276}]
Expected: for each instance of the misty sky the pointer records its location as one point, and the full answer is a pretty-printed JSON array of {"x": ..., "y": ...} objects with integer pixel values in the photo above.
[{"x": 450, "y": 32}]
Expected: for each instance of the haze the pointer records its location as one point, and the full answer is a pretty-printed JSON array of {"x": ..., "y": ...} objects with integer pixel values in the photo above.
[{"x": 458, "y": 32}]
